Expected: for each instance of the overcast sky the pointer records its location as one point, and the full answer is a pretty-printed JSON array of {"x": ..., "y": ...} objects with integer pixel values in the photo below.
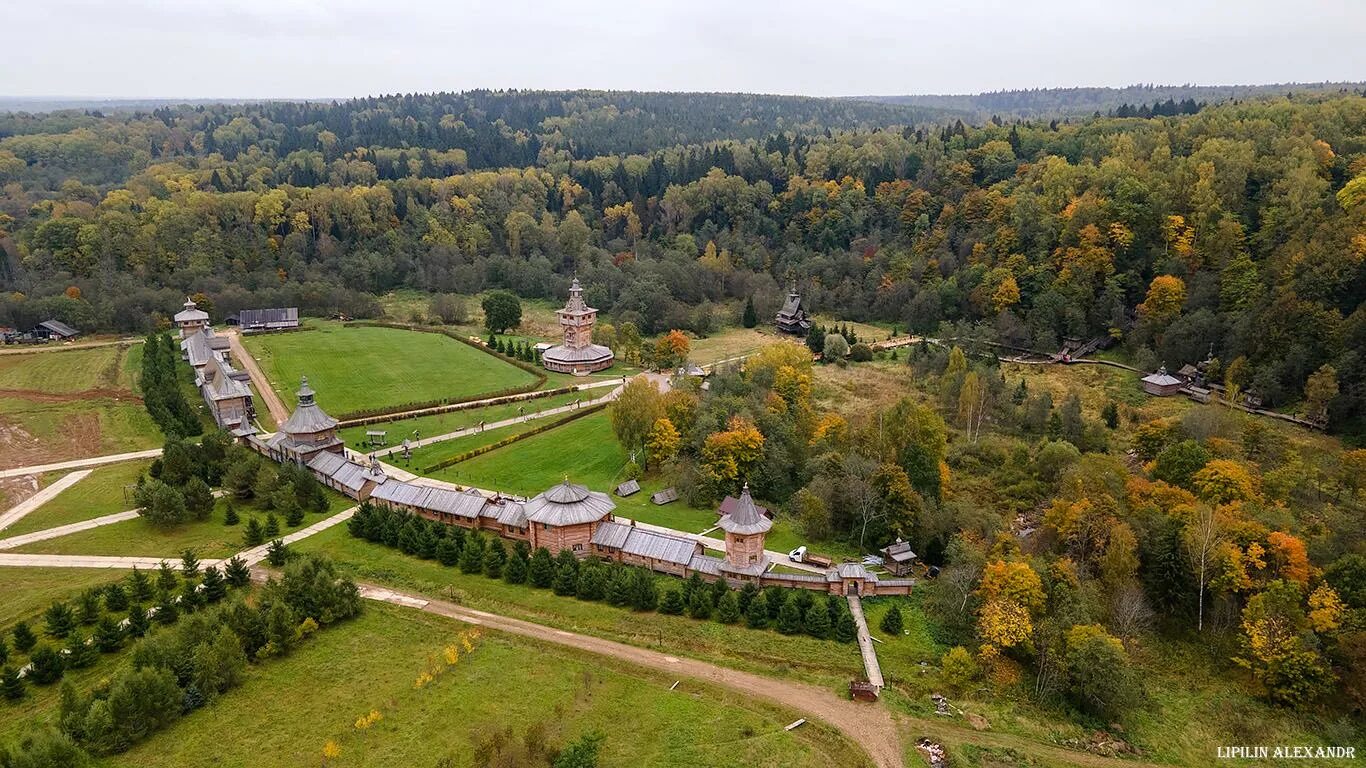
[{"x": 338, "y": 48}]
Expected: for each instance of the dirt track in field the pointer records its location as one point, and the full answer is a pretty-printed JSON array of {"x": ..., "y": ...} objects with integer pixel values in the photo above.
[
  {"x": 884, "y": 735},
  {"x": 278, "y": 412}
]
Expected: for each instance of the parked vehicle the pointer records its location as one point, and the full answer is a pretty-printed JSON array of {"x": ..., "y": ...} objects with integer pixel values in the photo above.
[{"x": 803, "y": 555}]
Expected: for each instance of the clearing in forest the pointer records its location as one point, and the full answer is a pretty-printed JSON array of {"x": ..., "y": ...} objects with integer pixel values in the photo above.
[{"x": 367, "y": 368}]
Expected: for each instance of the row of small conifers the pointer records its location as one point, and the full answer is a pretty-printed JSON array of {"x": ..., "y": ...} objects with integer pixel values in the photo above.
[
  {"x": 789, "y": 611},
  {"x": 196, "y": 641}
]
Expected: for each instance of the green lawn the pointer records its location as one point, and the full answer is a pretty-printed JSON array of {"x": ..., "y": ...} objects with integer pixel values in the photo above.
[
  {"x": 370, "y": 663},
  {"x": 822, "y": 662},
  {"x": 363, "y": 368},
  {"x": 28, "y": 591},
  {"x": 139, "y": 538},
  {"x": 104, "y": 491},
  {"x": 441, "y": 423},
  {"x": 585, "y": 450}
]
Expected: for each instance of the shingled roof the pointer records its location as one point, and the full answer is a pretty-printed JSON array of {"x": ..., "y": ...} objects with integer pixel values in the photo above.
[
  {"x": 746, "y": 518},
  {"x": 307, "y": 417},
  {"x": 568, "y": 504}
]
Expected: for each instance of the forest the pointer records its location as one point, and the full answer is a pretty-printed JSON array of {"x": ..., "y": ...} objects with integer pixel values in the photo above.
[{"x": 1237, "y": 232}]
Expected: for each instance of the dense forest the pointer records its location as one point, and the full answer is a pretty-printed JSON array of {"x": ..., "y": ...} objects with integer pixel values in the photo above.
[
  {"x": 1237, "y": 231},
  {"x": 1051, "y": 102}
]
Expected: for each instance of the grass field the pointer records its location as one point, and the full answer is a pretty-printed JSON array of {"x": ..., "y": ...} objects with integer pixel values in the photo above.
[
  {"x": 102, "y": 492},
  {"x": 363, "y": 368},
  {"x": 370, "y": 663},
  {"x": 139, "y": 538},
  {"x": 441, "y": 423},
  {"x": 70, "y": 404}
]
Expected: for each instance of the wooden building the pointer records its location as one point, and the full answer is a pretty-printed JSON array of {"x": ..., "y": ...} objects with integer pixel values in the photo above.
[
  {"x": 54, "y": 330},
  {"x": 274, "y": 319},
  {"x": 191, "y": 319},
  {"x": 662, "y": 552},
  {"x": 566, "y": 516},
  {"x": 1161, "y": 383},
  {"x": 793, "y": 317},
  {"x": 307, "y": 431},
  {"x": 577, "y": 354},
  {"x": 898, "y": 558},
  {"x": 746, "y": 528}
]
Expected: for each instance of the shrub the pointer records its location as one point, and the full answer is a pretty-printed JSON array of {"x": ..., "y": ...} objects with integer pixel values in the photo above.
[
  {"x": 958, "y": 667},
  {"x": 59, "y": 619}
]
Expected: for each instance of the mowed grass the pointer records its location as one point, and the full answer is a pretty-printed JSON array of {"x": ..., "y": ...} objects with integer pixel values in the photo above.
[
  {"x": 443, "y": 423},
  {"x": 29, "y": 591},
  {"x": 139, "y": 538},
  {"x": 585, "y": 450},
  {"x": 291, "y": 706},
  {"x": 105, "y": 491},
  {"x": 359, "y": 368}
]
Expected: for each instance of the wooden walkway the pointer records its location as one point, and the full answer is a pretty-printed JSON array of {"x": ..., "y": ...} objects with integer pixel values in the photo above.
[{"x": 871, "y": 669}]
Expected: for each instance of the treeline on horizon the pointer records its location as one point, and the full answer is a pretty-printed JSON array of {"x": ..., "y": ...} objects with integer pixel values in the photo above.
[
  {"x": 1059, "y": 102},
  {"x": 1238, "y": 231}
]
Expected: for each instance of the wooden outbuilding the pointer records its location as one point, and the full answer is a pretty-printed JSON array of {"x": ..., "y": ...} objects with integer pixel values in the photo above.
[
  {"x": 898, "y": 558},
  {"x": 1161, "y": 383}
]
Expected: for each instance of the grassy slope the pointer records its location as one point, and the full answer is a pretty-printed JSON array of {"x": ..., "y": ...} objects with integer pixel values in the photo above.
[
  {"x": 371, "y": 662},
  {"x": 102, "y": 492},
  {"x": 357, "y": 368},
  {"x": 137, "y": 537},
  {"x": 109, "y": 422}
]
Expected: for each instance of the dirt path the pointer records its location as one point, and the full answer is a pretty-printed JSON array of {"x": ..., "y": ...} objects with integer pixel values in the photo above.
[
  {"x": 884, "y": 735},
  {"x": 93, "y": 461},
  {"x": 39, "y": 396},
  {"x": 278, "y": 412}
]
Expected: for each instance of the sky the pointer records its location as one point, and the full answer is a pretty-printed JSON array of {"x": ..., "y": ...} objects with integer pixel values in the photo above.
[{"x": 343, "y": 48}]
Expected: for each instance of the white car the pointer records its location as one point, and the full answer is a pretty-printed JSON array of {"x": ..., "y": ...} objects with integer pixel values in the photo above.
[{"x": 797, "y": 555}]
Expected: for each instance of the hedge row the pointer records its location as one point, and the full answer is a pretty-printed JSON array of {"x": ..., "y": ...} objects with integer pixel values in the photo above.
[
  {"x": 459, "y": 405},
  {"x": 467, "y": 455},
  {"x": 789, "y": 611}
]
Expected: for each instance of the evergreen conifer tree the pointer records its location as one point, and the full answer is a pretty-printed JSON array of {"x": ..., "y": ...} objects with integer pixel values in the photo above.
[
  {"x": 88, "y": 606},
  {"x": 790, "y": 617},
  {"x": 215, "y": 588},
  {"x": 566, "y": 581},
  {"x": 230, "y": 516},
  {"x": 845, "y": 629},
  {"x": 619, "y": 587},
  {"x": 750, "y": 318},
  {"x": 80, "y": 654},
  {"x": 541, "y": 571},
  {"x": 272, "y": 529},
  {"x": 139, "y": 586},
  {"x": 891, "y": 621},
  {"x": 472, "y": 554},
  {"x": 47, "y": 665},
  {"x": 728, "y": 608},
  {"x": 817, "y": 621},
  {"x": 699, "y": 607},
  {"x": 756, "y": 614},
  {"x": 24, "y": 639},
  {"x": 672, "y": 602},
  {"x": 253, "y": 535},
  {"x": 236, "y": 573},
  {"x": 190, "y": 597},
  {"x": 138, "y": 622},
  {"x": 514, "y": 570},
  {"x": 116, "y": 598},
  {"x": 294, "y": 514},
  {"x": 495, "y": 558},
  {"x": 108, "y": 635},
  {"x": 277, "y": 553},
  {"x": 189, "y": 565},
  {"x": 59, "y": 620},
  {"x": 11, "y": 685},
  {"x": 644, "y": 591},
  {"x": 448, "y": 552}
]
